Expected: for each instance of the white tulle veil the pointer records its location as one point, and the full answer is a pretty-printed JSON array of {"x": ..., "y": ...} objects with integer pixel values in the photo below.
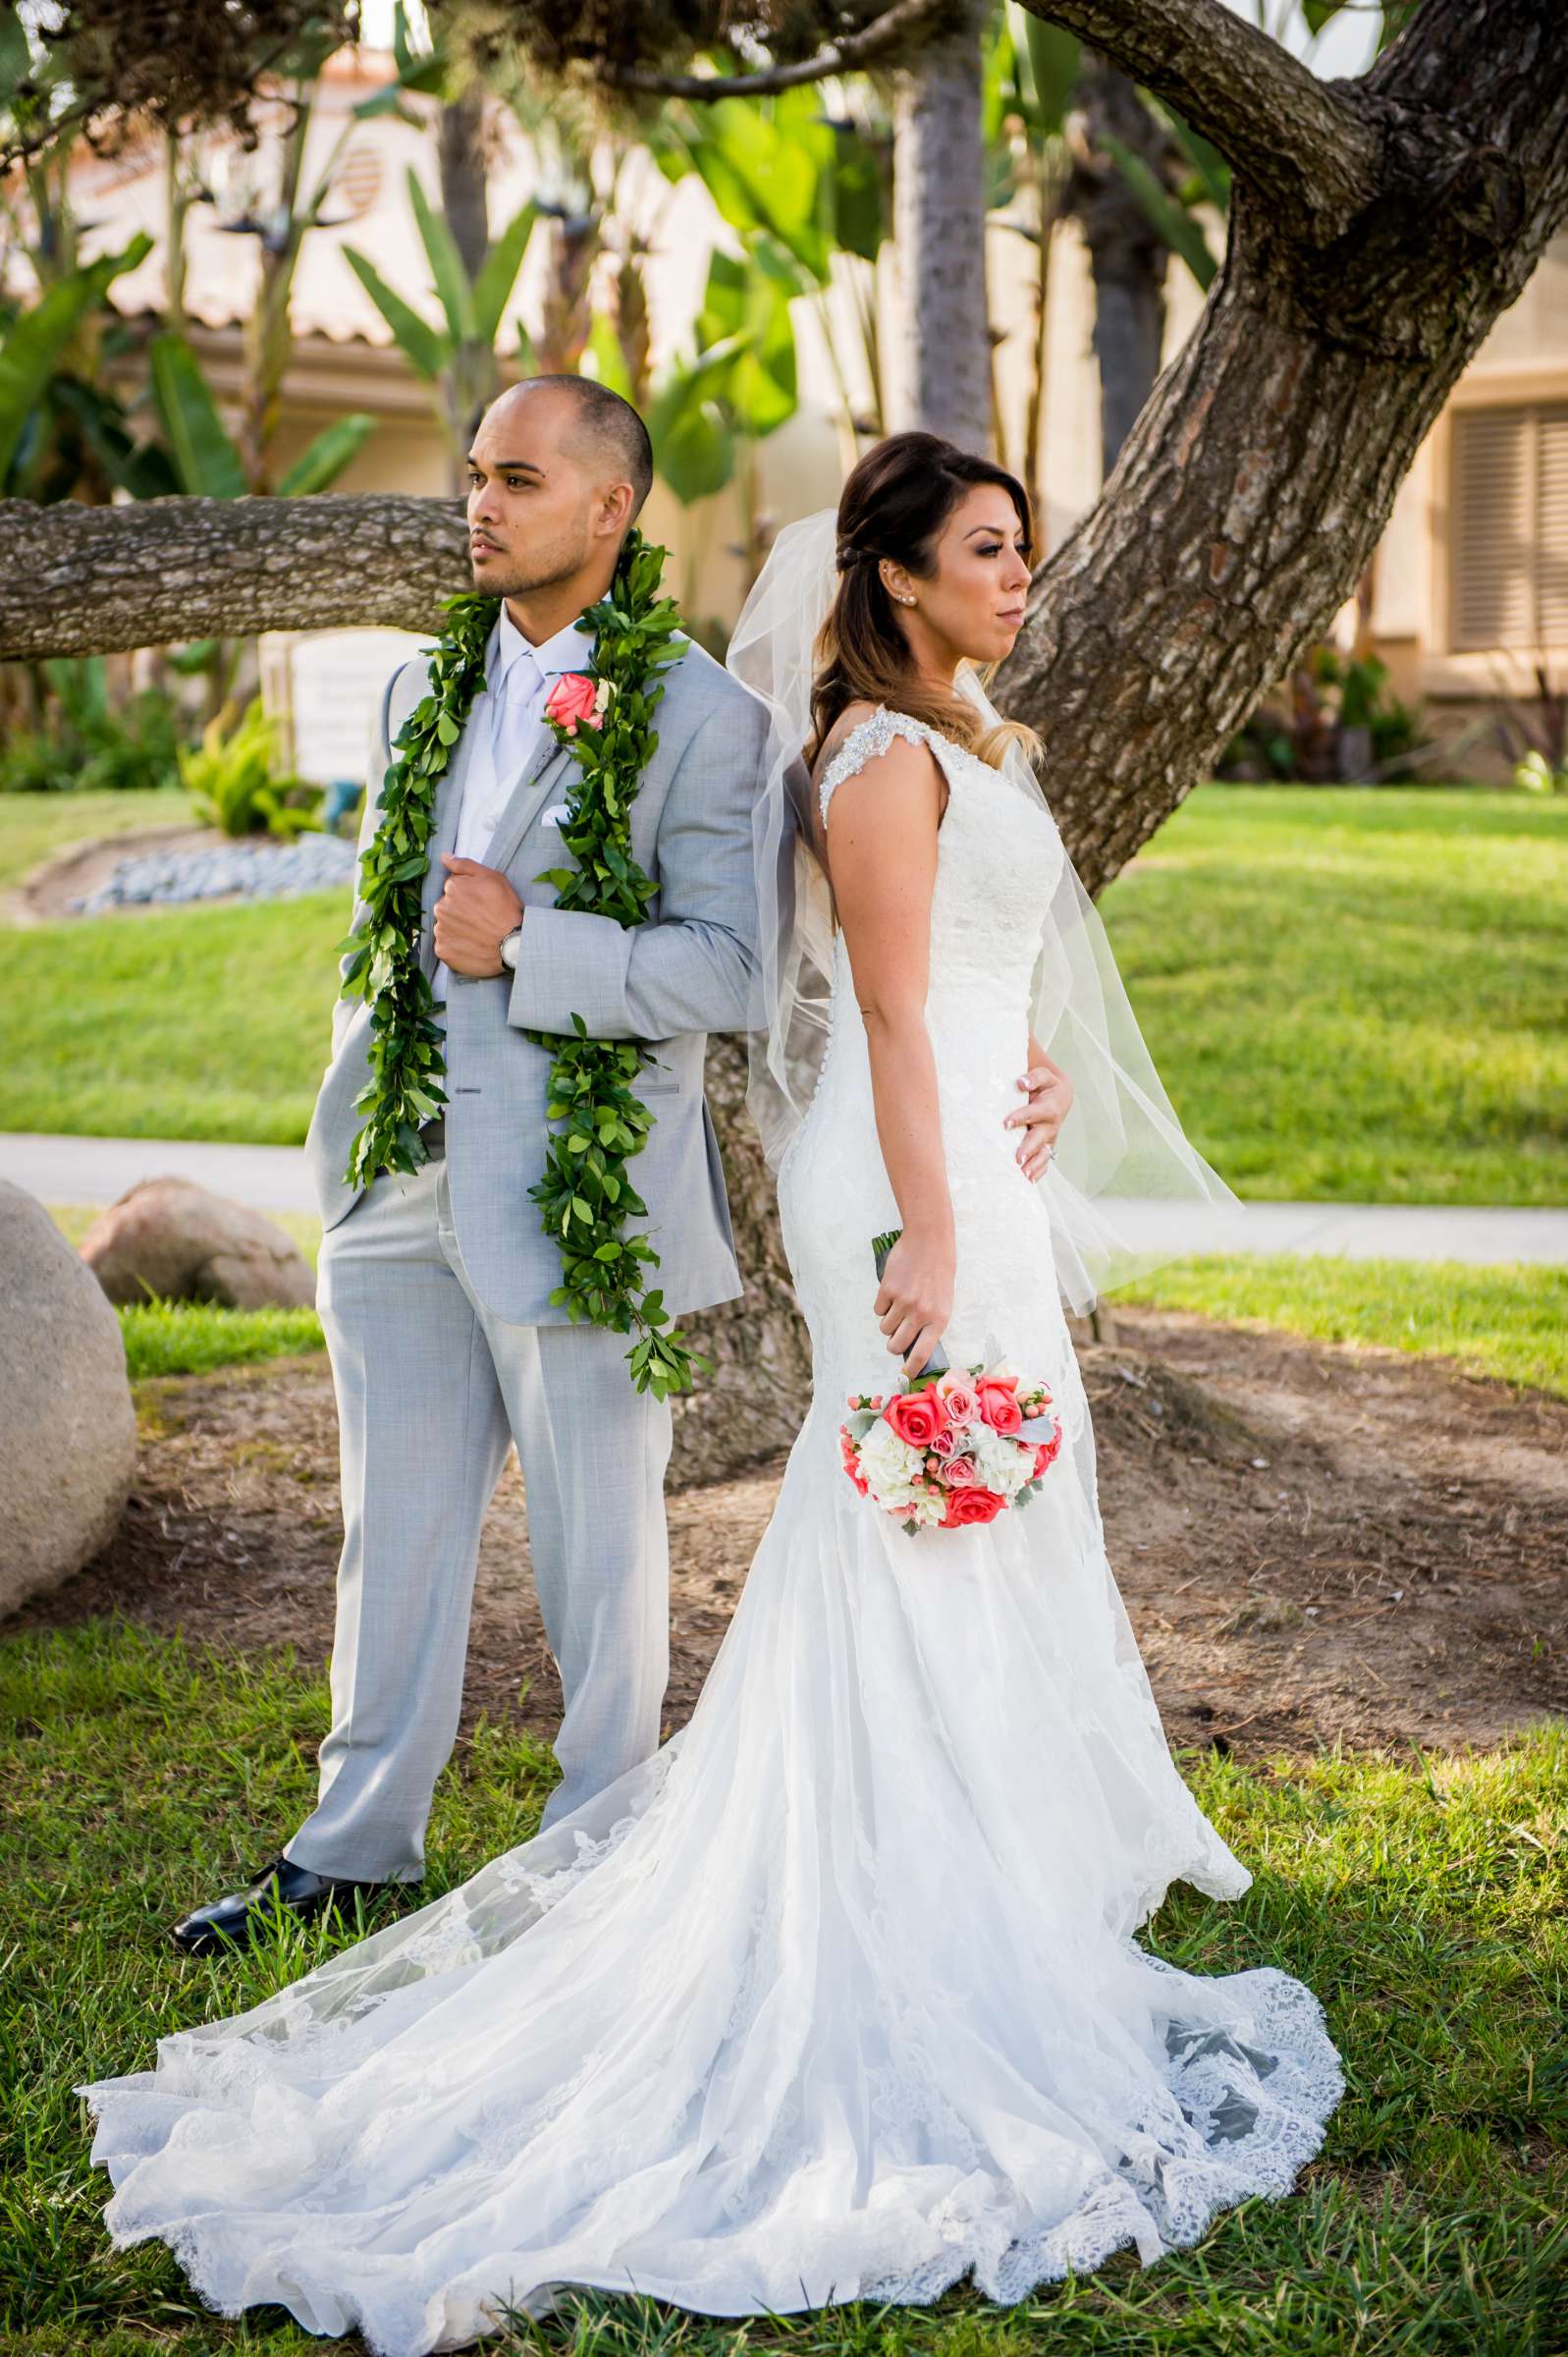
[{"x": 1123, "y": 1165}]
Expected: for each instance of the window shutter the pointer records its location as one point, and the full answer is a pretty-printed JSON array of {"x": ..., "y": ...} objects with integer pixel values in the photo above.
[
  {"x": 1552, "y": 529},
  {"x": 1509, "y": 541},
  {"x": 1492, "y": 506}
]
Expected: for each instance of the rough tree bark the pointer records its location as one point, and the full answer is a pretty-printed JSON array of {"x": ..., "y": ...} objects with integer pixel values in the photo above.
[
  {"x": 1378, "y": 229},
  {"x": 940, "y": 235},
  {"x": 78, "y": 580}
]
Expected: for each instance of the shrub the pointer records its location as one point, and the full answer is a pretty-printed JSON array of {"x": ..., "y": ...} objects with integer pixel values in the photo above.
[
  {"x": 85, "y": 743},
  {"x": 233, "y": 783},
  {"x": 1339, "y": 723}
]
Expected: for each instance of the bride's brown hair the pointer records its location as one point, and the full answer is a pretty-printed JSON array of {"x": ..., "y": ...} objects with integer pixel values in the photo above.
[{"x": 894, "y": 505}]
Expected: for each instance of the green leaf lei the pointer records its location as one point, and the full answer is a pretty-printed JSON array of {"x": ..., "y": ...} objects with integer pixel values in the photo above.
[{"x": 584, "y": 1196}]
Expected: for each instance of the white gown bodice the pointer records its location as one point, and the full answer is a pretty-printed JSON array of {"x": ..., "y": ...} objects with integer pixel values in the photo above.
[{"x": 999, "y": 854}]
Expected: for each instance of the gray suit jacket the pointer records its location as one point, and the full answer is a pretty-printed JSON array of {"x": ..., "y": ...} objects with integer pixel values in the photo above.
[{"x": 686, "y": 971}]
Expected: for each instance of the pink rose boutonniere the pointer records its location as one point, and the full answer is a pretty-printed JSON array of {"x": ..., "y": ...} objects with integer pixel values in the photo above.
[{"x": 575, "y": 698}]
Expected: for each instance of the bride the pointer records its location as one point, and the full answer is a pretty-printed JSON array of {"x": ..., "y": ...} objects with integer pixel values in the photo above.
[{"x": 838, "y": 1996}]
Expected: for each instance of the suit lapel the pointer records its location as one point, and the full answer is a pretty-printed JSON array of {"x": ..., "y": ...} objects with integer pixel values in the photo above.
[
  {"x": 545, "y": 770},
  {"x": 547, "y": 764}
]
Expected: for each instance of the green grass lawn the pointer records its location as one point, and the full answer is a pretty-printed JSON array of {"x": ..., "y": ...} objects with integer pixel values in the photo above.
[
  {"x": 1510, "y": 1321},
  {"x": 200, "y": 1022},
  {"x": 1352, "y": 994},
  {"x": 1358, "y": 993},
  {"x": 1425, "y": 1899}
]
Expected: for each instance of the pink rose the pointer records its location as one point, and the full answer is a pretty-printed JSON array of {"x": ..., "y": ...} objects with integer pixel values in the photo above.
[
  {"x": 998, "y": 1405},
  {"x": 959, "y": 1473},
  {"x": 971, "y": 1505},
  {"x": 572, "y": 699},
  {"x": 945, "y": 1443},
  {"x": 1045, "y": 1453},
  {"x": 916, "y": 1417},
  {"x": 959, "y": 1398}
]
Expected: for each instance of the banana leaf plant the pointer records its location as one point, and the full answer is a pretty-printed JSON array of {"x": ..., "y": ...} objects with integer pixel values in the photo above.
[
  {"x": 36, "y": 341},
  {"x": 207, "y": 463},
  {"x": 458, "y": 358},
  {"x": 282, "y": 209},
  {"x": 799, "y": 191},
  {"x": 206, "y": 458},
  {"x": 737, "y": 383}
]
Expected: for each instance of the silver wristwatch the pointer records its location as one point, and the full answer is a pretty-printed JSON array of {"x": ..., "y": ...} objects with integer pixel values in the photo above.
[{"x": 509, "y": 948}]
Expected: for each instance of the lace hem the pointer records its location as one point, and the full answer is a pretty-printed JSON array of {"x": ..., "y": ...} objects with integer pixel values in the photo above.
[{"x": 1248, "y": 2107}]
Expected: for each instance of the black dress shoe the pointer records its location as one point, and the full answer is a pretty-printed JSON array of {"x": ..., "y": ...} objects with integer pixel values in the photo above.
[{"x": 280, "y": 1890}]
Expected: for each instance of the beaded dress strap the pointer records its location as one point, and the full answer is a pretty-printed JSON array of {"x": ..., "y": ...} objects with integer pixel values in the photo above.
[{"x": 865, "y": 741}]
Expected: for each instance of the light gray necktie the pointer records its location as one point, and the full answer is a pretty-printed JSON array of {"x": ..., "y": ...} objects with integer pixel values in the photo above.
[{"x": 510, "y": 717}]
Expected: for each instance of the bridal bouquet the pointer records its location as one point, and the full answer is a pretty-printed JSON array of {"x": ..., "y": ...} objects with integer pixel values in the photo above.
[{"x": 944, "y": 1452}]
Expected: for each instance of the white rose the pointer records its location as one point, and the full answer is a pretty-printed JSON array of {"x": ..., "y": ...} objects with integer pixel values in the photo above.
[
  {"x": 923, "y": 1508},
  {"x": 1002, "y": 1464},
  {"x": 889, "y": 1464}
]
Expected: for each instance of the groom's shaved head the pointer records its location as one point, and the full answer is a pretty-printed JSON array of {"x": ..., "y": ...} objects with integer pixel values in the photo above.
[
  {"x": 591, "y": 425},
  {"x": 559, "y": 468},
  {"x": 604, "y": 428}
]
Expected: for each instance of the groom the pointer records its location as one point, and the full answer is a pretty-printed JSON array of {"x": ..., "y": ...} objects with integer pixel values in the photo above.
[{"x": 434, "y": 1289}]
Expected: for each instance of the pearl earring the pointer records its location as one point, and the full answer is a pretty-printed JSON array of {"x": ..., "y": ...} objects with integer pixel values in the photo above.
[{"x": 906, "y": 601}]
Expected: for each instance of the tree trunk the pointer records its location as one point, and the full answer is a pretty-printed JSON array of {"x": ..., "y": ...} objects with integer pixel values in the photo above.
[
  {"x": 940, "y": 232},
  {"x": 459, "y": 156},
  {"x": 1258, "y": 478},
  {"x": 77, "y": 581},
  {"x": 573, "y": 241},
  {"x": 1128, "y": 255},
  {"x": 471, "y": 381},
  {"x": 761, "y": 1357}
]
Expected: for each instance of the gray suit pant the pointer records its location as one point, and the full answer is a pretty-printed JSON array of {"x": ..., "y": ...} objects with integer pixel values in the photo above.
[{"x": 431, "y": 1388}]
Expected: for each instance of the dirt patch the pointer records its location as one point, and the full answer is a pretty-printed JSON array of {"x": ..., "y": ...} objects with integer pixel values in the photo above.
[{"x": 1316, "y": 1543}]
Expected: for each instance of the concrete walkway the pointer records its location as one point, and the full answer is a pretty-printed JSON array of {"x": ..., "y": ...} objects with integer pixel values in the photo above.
[{"x": 99, "y": 1170}]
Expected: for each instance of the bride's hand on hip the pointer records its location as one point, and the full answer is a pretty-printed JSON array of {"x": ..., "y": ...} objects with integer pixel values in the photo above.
[
  {"x": 1048, "y": 1094},
  {"x": 914, "y": 1300}
]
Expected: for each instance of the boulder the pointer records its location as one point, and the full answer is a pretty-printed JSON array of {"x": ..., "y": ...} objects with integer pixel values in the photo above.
[
  {"x": 172, "y": 1238},
  {"x": 68, "y": 1431}
]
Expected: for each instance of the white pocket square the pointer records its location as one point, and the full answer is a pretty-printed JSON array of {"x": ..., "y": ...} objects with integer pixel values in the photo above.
[{"x": 556, "y": 816}]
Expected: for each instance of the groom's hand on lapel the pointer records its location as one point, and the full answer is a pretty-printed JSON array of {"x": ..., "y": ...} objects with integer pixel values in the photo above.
[{"x": 475, "y": 912}]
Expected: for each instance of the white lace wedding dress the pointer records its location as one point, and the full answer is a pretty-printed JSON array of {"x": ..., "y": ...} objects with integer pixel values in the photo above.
[{"x": 838, "y": 1996}]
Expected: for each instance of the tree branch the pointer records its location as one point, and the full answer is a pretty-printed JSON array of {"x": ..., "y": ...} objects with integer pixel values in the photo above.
[
  {"x": 1310, "y": 157},
  {"x": 83, "y": 580},
  {"x": 887, "y": 33}
]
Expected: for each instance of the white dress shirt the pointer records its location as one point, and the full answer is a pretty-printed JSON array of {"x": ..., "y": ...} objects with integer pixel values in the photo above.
[{"x": 505, "y": 724}]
